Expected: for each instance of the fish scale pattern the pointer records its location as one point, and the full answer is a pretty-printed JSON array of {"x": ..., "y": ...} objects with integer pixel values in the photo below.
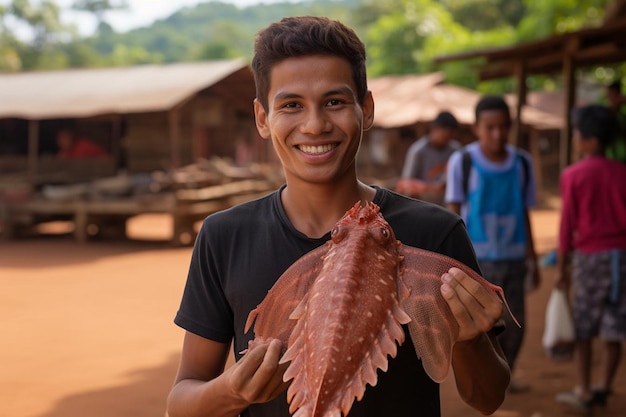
[{"x": 362, "y": 270}]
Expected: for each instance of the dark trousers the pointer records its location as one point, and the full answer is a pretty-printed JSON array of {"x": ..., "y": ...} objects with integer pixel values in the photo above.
[{"x": 510, "y": 276}]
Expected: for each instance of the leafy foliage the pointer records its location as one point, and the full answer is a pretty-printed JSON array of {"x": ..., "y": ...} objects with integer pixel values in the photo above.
[
  {"x": 402, "y": 36},
  {"x": 483, "y": 15}
]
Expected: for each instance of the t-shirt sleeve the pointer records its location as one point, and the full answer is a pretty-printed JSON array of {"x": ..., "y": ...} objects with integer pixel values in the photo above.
[
  {"x": 204, "y": 309},
  {"x": 454, "y": 175},
  {"x": 458, "y": 245}
]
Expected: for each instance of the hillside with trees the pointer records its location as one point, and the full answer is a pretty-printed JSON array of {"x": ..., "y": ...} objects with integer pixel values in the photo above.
[{"x": 402, "y": 36}]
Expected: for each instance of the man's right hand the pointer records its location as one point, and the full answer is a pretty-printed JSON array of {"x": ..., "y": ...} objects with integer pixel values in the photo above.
[
  {"x": 203, "y": 388},
  {"x": 258, "y": 377}
]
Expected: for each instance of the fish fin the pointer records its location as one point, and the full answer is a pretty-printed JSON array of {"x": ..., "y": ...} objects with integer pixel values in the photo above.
[
  {"x": 271, "y": 318},
  {"x": 433, "y": 328}
]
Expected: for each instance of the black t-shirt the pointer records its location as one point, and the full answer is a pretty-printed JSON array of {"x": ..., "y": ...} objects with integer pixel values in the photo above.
[{"x": 241, "y": 252}]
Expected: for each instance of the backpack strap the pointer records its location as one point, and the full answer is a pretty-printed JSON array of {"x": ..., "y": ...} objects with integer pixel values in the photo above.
[
  {"x": 526, "y": 172},
  {"x": 466, "y": 166}
]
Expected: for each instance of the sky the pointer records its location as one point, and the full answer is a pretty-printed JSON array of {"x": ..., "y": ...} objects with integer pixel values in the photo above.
[
  {"x": 143, "y": 12},
  {"x": 140, "y": 13}
]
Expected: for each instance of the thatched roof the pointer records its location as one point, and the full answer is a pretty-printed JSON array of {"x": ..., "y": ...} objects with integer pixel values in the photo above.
[
  {"x": 410, "y": 99},
  {"x": 91, "y": 92}
]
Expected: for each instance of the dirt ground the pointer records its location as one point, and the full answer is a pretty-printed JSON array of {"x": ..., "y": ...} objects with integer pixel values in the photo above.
[{"x": 87, "y": 329}]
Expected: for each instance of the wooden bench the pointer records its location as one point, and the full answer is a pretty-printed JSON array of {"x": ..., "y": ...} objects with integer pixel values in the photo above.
[{"x": 107, "y": 217}]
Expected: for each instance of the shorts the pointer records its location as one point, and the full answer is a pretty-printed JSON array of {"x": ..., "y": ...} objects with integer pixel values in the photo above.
[{"x": 599, "y": 297}]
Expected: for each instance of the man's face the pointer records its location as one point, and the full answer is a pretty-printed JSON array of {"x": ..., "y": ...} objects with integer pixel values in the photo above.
[
  {"x": 492, "y": 129},
  {"x": 314, "y": 118},
  {"x": 440, "y": 137}
]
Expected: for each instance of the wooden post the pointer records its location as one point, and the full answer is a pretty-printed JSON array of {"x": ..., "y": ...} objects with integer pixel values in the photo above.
[
  {"x": 538, "y": 163},
  {"x": 33, "y": 151},
  {"x": 81, "y": 221},
  {"x": 521, "y": 91},
  {"x": 116, "y": 146},
  {"x": 569, "y": 90},
  {"x": 174, "y": 125}
]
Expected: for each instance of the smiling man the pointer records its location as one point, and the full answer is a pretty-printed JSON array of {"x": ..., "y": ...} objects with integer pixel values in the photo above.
[{"x": 313, "y": 104}]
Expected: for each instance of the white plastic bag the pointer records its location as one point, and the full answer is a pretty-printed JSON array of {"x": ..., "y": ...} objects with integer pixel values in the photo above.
[{"x": 558, "y": 334}]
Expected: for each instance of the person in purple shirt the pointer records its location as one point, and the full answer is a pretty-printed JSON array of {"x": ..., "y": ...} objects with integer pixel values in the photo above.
[{"x": 592, "y": 241}]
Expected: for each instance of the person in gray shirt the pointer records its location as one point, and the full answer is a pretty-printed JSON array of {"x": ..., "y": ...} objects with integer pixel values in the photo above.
[{"x": 424, "y": 172}]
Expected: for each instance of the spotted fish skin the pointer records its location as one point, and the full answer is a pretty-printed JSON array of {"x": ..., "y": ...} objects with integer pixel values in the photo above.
[
  {"x": 339, "y": 310},
  {"x": 333, "y": 356}
]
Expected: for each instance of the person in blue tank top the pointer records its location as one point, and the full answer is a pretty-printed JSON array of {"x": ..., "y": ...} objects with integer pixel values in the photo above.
[{"x": 491, "y": 185}]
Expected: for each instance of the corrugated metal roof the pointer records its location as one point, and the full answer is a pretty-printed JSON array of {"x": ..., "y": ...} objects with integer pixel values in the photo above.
[
  {"x": 91, "y": 92},
  {"x": 409, "y": 99}
]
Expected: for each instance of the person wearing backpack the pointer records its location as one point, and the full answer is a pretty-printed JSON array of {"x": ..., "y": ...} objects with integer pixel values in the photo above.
[{"x": 491, "y": 185}]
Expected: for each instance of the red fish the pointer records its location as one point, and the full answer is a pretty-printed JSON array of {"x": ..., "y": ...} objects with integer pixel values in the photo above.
[{"x": 363, "y": 270}]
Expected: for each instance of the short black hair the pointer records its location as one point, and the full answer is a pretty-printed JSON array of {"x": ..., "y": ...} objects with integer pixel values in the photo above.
[
  {"x": 445, "y": 119},
  {"x": 491, "y": 102},
  {"x": 300, "y": 36},
  {"x": 597, "y": 121}
]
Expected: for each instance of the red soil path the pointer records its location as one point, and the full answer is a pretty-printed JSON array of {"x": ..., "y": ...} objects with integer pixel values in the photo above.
[{"x": 87, "y": 329}]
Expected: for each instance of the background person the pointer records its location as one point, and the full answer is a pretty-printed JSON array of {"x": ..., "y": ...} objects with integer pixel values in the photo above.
[
  {"x": 73, "y": 146},
  {"x": 493, "y": 193},
  {"x": 592, "y": 245},
  {"x": 424, "y": 172}
]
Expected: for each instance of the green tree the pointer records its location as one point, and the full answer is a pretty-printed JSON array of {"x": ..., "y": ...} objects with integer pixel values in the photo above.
[
  {"x": 406, "y": 35},
  {"x": 124, "y": 55},
  {"x": 484, "y": 15},
  {"x": 398, "y": 41},
  {"x": 99, "y": 8},
  {"x": 43, "y": 20},
  {"x": 9, "y": 58},
  {"x": 224, "y": 40},
  {"x": 401, "y": 36},
  {"x": 546, "y": 18},
  {"x": 82, "y": 55},
  {"x": 216, "y": 50},
  {"x": 46, "y": 30}
]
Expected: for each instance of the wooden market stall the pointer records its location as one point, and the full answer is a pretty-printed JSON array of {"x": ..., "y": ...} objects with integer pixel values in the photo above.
[{"x": 167, "y": 130}]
